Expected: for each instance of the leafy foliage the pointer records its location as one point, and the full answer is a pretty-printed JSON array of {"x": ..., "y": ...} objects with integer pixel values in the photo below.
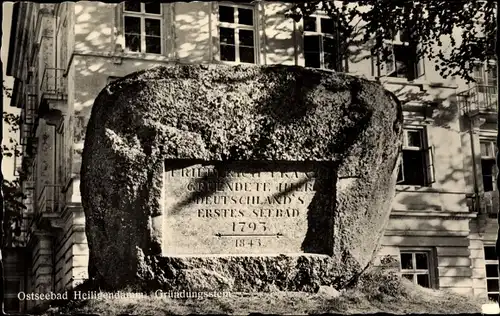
[
  {"x": 12, "y": 191},
  {"x": 452, "y": 33}
]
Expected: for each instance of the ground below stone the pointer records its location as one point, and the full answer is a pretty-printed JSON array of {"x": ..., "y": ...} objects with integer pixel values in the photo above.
[{"x": 376, "y": 295}]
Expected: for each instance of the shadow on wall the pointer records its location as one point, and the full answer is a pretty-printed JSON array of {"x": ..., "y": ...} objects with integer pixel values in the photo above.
[
  {"x": 91, "y": 76},
  {"x": 95, "y": 32}
]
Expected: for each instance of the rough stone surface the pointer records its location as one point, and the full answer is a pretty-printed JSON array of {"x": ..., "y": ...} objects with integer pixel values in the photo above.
[
  {"x": 224, "y": 113},
  {"x": 328, "y": 291}
]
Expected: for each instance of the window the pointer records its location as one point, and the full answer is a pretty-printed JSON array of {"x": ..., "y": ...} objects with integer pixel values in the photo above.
[
  {"x": 400, "y": 58},
  {"x": 142, "y": 24},
  {"x": 416, "y": 267},
  {"x": 491, "y": 267},
  {"x": 483, "y": 92},
  {"x": 488, "y": 165},
  {"x": 237, "y": 33},
  {"x": 321, "y": 43},
  {"x": 12, "y": 287},
  {"x": 416, "y": 167},
  {"x": 485, "y": 75}
]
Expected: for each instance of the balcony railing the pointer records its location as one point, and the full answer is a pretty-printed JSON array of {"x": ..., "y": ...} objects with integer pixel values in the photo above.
[
  {"x": 50, "y": 199},
  {"x": 53, "y": 83},
  {"x": 480, "y": 98},
  {"x": 27, "y": 119}
]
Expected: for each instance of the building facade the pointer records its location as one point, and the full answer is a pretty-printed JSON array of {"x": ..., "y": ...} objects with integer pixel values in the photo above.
[{"x": 442, "y": 228}]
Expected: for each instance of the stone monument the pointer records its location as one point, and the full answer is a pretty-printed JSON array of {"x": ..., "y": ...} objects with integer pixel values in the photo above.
[{"x": 243, "y": 178}]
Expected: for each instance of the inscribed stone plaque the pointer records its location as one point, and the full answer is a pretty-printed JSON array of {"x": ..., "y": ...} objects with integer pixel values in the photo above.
[{"x": 237, "y": 208}]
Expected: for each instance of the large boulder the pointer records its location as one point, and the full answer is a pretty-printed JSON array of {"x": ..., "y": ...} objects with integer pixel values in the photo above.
[{"x": 225, "y": 113}]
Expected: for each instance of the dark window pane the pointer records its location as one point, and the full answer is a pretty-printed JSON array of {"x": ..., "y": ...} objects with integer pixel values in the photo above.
[
  {"x": 401, "y": 53},
  {"x": 491, "y": 271},
  {"x": 489, "y": 253},
  {"x": 329, "y": 45},
  {"x": 422, "y": 262},
  {"x": 423, "y": 280},
  {"x": 492, "y": 285},
  {"x": 226, "y": 35},
  {"x": 153, "y": 27},
  {"x": 330, "y": 61},
  {"x": 133, "y": 6},
  {"x": 414, "y": 139},
  {"x": 488, "y": 183},
  {"x": 327, "y": 26},
  {"x": 12, "y": 286},
  {"x": 492, "y": 71},
  {"x": 12, "y": 304},
  {"x": 227, "y": 52},
  {"x": 478, "y": 71},
  {"x": 246, "y": 38},
  {"x": 406, "y": 261},
  {"x": 247, "y": 55},
  {"x": 153, "y": 44},
  {"x": 312, "y": 59},
  {"x": 493, "y": 297},
  {"x": 153, "y": 7},
  {"x": 413, "y": 162},
  {"x": 245, "y": 16},
  {"x": 226, "y": 14},
  {"x": 408, "y": 276},
  {"x": 487, "y": 166},
  {"x": 310, "y": 24},
  {"x": 132, "y": 25},
  {"x": 404, "y": 35},
  {"x": 133, "y": 42},
  {"x": 311, "y": 43},
  {"x": 330, "y": 53}
]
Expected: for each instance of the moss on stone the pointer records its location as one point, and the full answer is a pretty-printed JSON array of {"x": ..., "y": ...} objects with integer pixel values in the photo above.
[{"x": 223, "y": 113}]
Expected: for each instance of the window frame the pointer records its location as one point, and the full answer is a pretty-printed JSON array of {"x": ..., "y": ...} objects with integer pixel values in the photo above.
[
  {"x": 486, "y": 278},
  {"x": 416, "y": 68},
  {"x": 319, "y": 32},
  {"x": 237, "y": 27},
  {"x": 142, "y": 15},
  {"x": 483, "y": 68},
  {"x": 427, "y": 154},
  {"x": 431, "y": 265},
  {"x": 492, "y": 146},
  {"x": 15, "y": 295}
]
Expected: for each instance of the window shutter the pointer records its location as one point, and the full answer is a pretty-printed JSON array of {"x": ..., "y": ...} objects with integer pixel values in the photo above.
[
  {"x": 419, "y": 63},
  {"x": 429, "y": 163},
  {"x": 119, "y": 32},
  {"x": 411, "y": 61},
  {"x": 340, "y": 44},
  {"x": 375, "y": 66},
  {"x": 401, "y": 174}
]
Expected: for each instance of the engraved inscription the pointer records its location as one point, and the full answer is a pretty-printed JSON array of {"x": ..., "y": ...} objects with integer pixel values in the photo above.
[{"x": 238, "y": 208}]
